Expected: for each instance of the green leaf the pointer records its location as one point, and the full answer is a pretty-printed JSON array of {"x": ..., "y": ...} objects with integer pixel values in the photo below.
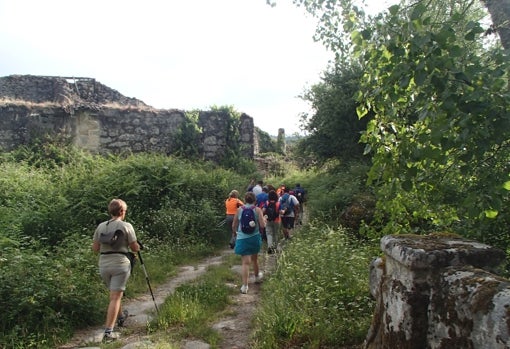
[
  {"x": 420, "y": 76},
  {"x": 407, "y": 185},
  {"x": 491, "y": 214},
  {"x": 361, "y": 110},
  {"x": 418, "y": 11},
  {"x": 356, "y": 37},
  {"x": 404, "y": 81},
  {"x": 394, "y": 10},
  {"x": 462, "y": 76},
  {"x": 455, "y": 51}
]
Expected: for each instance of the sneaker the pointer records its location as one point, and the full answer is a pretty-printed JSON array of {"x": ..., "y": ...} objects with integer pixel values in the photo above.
[
  {"x": 258, "y": 278},
  {"x": 122, "y": 318},
  {"x": 244, "y": 289},
  {"x": 108, "y": 337}
]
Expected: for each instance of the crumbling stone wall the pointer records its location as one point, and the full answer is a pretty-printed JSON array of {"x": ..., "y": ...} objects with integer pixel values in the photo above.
[
  {"x": 101, "y": 120},
  {"x": 63, "y": 91},
  {"x": 217, "y": 133},
  {"x": 104, "y": 131},
  {"x": 438, "y": 291}
]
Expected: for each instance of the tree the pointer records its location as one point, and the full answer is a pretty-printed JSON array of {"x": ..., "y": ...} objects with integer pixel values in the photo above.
[
  {"x": 334, "y": 128},
  {"x": 500, "y": 14},
  {"x": 441, "y": 111},
  {"x": 266, "y": 143}
]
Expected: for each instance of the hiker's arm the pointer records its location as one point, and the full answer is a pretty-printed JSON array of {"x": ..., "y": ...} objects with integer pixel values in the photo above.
[
  {"x": 262, "y": 221},
  {"x": 134, "y": 246},
  {"x": 296, "y": 207},
  {"x": 95, "y": 246},
  {"x": 235, "y": 223}
]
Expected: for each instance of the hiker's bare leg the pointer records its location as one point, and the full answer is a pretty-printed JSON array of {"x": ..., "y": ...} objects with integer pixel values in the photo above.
[
  {"x": 113, "y": 308},
  {"x": 286, "y": 232},
  {"x": 254, "y": 259},
  {"x": 245, "y": 268}
]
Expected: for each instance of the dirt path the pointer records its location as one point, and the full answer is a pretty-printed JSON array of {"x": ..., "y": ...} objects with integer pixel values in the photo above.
[{"x": 232, "y": 329}]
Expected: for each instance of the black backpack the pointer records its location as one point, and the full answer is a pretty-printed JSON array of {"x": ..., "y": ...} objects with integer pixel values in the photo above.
[
  {"x": 271, "y": 211},
  {"x": 248, "y": 221},
  {"x": 300, "y": 194}
]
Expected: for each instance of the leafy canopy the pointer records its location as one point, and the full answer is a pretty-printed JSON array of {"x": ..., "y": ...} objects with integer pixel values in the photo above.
[{"x": 439, "y": 97}]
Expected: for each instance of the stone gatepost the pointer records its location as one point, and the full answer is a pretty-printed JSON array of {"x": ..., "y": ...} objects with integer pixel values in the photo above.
[{"x": 436, "y": 291}]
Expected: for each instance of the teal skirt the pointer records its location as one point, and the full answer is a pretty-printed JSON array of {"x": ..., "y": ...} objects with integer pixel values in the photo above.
[{"x": 249, "y": 245}]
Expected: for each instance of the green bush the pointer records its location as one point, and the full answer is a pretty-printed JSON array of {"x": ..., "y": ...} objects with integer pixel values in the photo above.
[{"x": 46, "y": 295}]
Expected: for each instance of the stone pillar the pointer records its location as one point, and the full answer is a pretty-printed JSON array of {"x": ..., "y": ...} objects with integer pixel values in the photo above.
[
  {"x": 418, "y": 284},
  {"x": 247, "y": 133},
  {"x": 280, "y": 141}
]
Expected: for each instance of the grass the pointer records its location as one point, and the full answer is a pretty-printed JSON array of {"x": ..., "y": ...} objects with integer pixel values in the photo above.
[
  {"x": 319, "y": 295},
  {"x": 161, "y": 263},
  {"x": 192, "y": 309}
]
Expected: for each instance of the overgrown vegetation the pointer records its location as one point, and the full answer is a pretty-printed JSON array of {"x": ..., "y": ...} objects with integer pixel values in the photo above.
[
  {"x": 318, "y": 296},
  {"x": 54, "y": 195},
  {"x": 428, "y": 81},
  {"x": 51, "y": 203}
]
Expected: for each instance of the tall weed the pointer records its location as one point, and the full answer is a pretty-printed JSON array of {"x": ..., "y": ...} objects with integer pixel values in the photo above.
[{"x": 319, "y": 295}]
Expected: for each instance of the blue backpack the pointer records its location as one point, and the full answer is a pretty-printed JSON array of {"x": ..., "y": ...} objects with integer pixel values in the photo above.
[
  {"x": 286, "y": 204},
  {"x": 248, "y": 221}
]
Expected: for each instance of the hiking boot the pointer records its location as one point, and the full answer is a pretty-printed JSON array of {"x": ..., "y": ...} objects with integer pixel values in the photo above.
[
  {"x": 108, "y": 337},
  {"x": 258, "y": 278},
  {"x": 244, "y": 289},
  {"x": 122, "y": 318}
]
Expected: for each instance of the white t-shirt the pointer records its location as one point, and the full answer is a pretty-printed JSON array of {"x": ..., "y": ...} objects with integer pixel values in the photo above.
[
  {"x": 257, "y": 190},
  {"x": 294, "y": 200}
]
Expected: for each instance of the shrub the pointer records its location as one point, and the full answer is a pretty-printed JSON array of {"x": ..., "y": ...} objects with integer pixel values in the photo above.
[{"x": 45, "y": 296}]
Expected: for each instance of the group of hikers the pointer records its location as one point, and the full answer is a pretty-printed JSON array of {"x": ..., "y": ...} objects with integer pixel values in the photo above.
[{"x": 264, "y": 211}]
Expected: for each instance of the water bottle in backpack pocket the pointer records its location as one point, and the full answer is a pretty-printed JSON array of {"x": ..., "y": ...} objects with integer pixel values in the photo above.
[{"x": 271, "y": 211}]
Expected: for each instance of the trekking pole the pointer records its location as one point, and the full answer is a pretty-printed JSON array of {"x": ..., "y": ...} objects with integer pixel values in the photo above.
[{"x": 147, "y": 278}]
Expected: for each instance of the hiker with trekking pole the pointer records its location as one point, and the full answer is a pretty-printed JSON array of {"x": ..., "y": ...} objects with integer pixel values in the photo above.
[{"x": 115, "y": 241}]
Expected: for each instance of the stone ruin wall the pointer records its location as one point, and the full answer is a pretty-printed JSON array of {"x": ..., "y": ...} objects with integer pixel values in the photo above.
[
  {"x": 438, "y": 292},
  {"x": 97, "y": 118}
]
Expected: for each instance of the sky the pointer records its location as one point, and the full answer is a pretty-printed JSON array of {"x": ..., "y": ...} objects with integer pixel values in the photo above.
[{"x": 173, "y": 54}]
